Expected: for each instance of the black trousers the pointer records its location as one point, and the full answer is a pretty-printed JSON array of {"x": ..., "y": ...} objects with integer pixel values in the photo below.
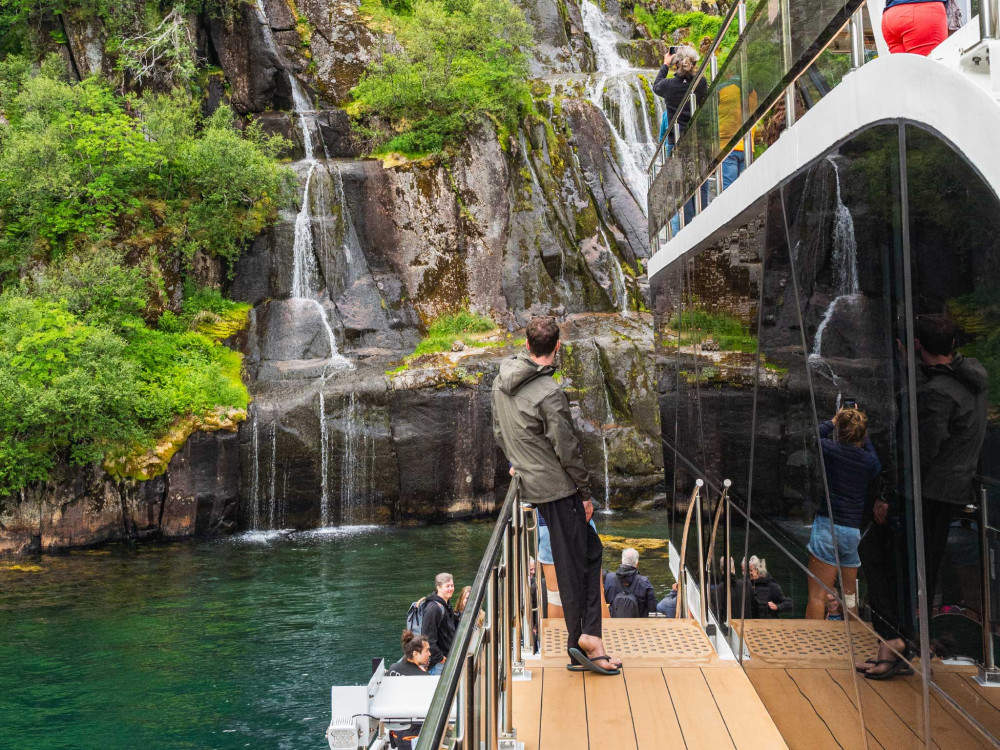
[{"x": 576, "y": 553}]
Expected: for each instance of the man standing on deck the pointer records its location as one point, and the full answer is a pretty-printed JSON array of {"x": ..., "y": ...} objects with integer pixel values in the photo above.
[{"x": 532, "y": 424}]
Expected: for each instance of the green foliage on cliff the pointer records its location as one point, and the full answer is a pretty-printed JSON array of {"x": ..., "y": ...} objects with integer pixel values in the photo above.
[
  {"x": 462, "y": 326},
  {"x": 79, "y": 164},
  {"x": 461, "y": 61},
  {"x": 82, "y": 375},
  {"x": 662, "y": 23},
  {"x": 978, "y": 313}
]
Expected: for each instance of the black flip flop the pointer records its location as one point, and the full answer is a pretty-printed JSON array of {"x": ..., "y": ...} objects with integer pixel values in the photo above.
[
  {"x": 576, "y": 667},
  {"x": 862, "y": 670},
  {"x": 588, "y": 663},
  {"x": 899, "y": 668}
]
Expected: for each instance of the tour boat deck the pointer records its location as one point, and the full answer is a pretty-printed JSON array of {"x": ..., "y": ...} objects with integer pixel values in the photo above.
[
  {"x": 673, "y": 692},
  {"x": 797, "y": 691}
]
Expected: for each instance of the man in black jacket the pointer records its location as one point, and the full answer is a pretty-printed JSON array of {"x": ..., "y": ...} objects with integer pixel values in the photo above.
[
  {"x": 628, "y": 581},
  {"x": 438, "y": 621},
  {"x": 951, "y": 422}
]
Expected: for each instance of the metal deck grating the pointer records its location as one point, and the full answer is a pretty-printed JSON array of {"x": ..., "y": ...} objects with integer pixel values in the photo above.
[
  {"x": 805, "y": 640},
  {"x": 649, "y": 639}
]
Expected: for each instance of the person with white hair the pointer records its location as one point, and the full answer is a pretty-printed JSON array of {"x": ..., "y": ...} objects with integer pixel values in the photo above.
[{"x": 628, "y": 593}]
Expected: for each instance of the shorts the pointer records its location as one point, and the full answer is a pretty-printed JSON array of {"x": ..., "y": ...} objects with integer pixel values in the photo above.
[
  {"x": 822, "y": 543},
  {"x": 545, "y": 543}
]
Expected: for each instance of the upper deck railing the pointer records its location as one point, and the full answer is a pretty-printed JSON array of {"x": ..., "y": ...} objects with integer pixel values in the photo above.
[{"x": 778, "y": 41}]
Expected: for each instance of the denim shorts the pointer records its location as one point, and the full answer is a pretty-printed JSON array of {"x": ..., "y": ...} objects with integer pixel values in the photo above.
[
  {"x": 822, "y": 543},
  {"x": 545, "y": 543}
]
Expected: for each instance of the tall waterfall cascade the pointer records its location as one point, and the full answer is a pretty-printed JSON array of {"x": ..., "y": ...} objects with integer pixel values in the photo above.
[{"x": 621, "y": 93}]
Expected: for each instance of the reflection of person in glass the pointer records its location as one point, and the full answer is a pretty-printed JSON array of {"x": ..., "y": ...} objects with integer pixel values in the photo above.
[
  {"x": 951, "y": 427},
  {"x": 730, "y": 120},
  {"x": 851, "y": 464},
  {"x": 951, "y": 423},
  {"x": 769, "y": 599}
]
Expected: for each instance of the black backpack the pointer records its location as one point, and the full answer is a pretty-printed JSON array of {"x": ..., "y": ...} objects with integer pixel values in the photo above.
[{"x": 624, "y": 603}]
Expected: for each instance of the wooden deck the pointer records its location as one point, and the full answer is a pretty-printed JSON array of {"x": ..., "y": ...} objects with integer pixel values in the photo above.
[
  {"x": 798, "y": 691},
  {"x": 674, "y": 692}
]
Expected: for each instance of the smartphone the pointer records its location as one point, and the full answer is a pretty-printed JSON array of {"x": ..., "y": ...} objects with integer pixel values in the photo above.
[
  {"x": 850, "y": 403},
  {"x": 672, "y": 50}
]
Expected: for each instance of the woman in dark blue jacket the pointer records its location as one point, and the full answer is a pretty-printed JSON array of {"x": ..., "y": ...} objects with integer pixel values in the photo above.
[{"x": 851, "y": 465}]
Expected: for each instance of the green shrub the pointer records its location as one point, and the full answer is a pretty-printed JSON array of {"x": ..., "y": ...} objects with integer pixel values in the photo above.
[
  {"x": 78, "y": 165},
  {"x": 83, "y": 377},
  {"x": 461, "y": 61},
  {"x": 462, "y": 326}
]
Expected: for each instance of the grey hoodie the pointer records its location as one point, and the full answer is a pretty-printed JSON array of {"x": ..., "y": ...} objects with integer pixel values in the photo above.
[
  {"x": 532, "y": 424},
  {"x": 951, "y": 422}
]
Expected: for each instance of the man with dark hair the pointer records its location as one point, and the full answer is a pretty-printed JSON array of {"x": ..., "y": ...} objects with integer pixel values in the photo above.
[
  {"x": 951, "y": 424},
  {"x": 532, "y": 424},
  {"x": 951, "y": 427}
]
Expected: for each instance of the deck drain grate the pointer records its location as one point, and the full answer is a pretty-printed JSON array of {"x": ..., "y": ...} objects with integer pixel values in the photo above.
[
  {"x": 802, "y": 639},
  {"x": 645, "y": 638}
]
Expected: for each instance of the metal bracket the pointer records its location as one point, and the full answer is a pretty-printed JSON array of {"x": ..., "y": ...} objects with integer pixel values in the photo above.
[
  {"x": 988, "y": 677},
  {"x": 509, "y": 741},
  {"x": 518, "y": 673}
]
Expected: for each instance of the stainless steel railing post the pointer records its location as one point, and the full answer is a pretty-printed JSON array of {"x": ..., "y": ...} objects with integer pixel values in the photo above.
[
  {"x": 492, "y": 666},
  {"x": 988, "y": 673},
  {"x": 511, "y": 635},
  {"x": 728, "y": 564},
  {"x": 857, "y": 29},
  {"x": 683, "y": 606},
  {"x": 702, "y": 598},
  {"x": 989, "y": 19}
]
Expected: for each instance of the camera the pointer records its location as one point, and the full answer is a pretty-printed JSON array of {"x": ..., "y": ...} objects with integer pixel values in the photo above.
[{"x": 849, "y": 403}]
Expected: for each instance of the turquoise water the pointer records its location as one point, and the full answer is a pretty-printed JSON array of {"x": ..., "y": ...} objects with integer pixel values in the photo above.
[{"x": 226, "y": 644}]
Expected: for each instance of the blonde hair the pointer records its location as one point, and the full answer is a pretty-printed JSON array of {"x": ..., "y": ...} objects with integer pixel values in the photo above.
[
  {"x": 685, "y": 60},
  {"x": 851, "y": 426},
  {"x": 461, "y": 599}
]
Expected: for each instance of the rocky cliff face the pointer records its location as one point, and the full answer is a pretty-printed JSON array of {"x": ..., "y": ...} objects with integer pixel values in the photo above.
[{"x": 548, "y": 220}]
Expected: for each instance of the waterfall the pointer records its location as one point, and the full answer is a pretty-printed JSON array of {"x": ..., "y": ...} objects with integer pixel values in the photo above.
[
  {"x": 324, "y": 448},
  {"x": 619, "y": 92},
  {"x": 272, "y": 479},
  {"x": 844, "y": 259},
  {"x": 616, "y": 273},
  {"x": 254, "y": 474},
  {"x": 608, "y": 419},
  {"x": 603, "y": 39}
]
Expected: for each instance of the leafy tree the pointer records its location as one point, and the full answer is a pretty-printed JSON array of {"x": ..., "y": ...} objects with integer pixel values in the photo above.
[{"x": 462, "y": 60}]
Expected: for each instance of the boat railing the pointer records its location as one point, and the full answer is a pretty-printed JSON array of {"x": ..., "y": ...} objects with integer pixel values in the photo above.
[
  {"x": 778, "y": 42},
  {"x": 488, "y": 650}
]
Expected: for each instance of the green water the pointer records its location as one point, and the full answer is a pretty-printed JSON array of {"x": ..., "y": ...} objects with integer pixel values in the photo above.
[{"x": 226, "y": 644}]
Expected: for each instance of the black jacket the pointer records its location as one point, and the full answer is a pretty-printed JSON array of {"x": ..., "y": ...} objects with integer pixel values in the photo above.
[
  {"x": 638, "y": 585},
  {"x": 742, "y": 592},
  {"x": 849, "y": 471},
  {"x": 673, "y": 90},
  {"x": 766, "y": 589},
  {"x": 951, "y": 423},
  {"x": 438, "y": 625},
  {"x": 404, "y": 668}
]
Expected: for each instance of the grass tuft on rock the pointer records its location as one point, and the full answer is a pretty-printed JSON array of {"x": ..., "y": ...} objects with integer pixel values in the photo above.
[{"x": 463, "y": 326}]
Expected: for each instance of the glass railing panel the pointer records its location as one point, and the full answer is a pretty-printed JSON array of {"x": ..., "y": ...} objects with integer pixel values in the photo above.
[
  {"x": 955, "y": 257},
  {"x": 781, "y": 39}
]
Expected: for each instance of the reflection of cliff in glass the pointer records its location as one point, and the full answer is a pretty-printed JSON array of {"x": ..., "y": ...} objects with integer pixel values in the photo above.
[{"x": 809, "y": 303}]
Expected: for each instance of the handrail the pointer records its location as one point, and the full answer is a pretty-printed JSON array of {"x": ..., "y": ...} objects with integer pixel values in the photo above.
[
  {"x": 792, "y": 70},
  {"x": 733, "y": 13},
  {"x": 694, "y": 506},
  {"x": 484, "y": 657}
]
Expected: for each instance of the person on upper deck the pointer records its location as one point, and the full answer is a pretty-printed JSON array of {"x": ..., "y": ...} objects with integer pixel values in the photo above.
[
  {"x": 674, "y": 93},
  {"x": 851, "y": 465},
  {"x": 673, "y": 90},
  {"x": 914, "y": 26}
]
